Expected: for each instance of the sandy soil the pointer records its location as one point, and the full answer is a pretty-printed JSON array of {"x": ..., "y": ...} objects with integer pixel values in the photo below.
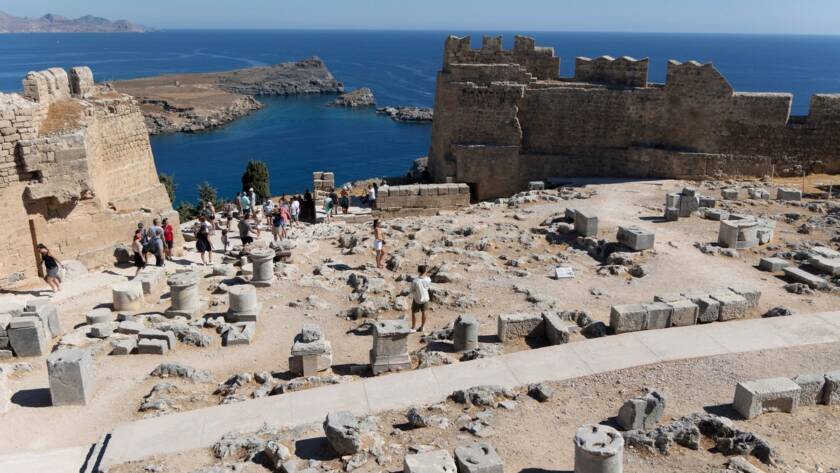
[{"x": 487, "y": 280}]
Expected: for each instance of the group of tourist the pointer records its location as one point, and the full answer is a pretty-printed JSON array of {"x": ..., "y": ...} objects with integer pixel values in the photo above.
[
  {"x": 157, "y": 240},
  {"x": 342, "y": 199}
]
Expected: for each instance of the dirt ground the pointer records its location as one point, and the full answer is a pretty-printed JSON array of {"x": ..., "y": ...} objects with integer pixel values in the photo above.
[
  {"x": 535, "y": 436},
  {"x": 497, "y": 263}
]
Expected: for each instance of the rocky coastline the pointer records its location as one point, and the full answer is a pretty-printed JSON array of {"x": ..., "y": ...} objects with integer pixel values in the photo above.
[
  {"x": 408, "y": 114},
  {"x": 358, "y": 98},
  {"x": 197, "y": 102}
]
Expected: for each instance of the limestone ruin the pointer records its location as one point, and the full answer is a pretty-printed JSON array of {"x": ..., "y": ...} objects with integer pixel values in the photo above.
[
  {"x": 77, "y": 172},
  {"x": 504, "y": 118}
]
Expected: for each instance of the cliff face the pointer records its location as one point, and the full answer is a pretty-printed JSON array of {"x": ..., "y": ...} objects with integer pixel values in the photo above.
[
  {"x": 196, "y": 102},
  {"x": 51, "y": 23},
  {"x": 76, "y": 172},
  {"x": 503, "y": 118}
]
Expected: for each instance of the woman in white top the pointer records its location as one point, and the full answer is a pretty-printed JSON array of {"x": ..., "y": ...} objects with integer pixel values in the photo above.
[{"x": 378, "y": 243}]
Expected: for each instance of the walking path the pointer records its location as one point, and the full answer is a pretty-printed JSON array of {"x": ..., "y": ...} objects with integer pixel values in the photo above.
[{"x": 203, "y": 427}]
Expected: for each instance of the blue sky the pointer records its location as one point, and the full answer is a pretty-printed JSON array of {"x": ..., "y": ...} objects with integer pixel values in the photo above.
[{"x": 717, "y": 16}]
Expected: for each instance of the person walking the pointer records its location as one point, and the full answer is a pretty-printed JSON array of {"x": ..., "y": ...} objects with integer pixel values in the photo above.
[
  {"x": 344, "y": 201},
  {"x": 294, "y": 210},
  {"x": 378, "y": 243},
  {"x": 157, "y": 237},
  {"x": 202, "y": 240},
  {"x": 420, "y": 297},
  {"x": 168, "y": 238},
  {"x": 52, "y": 267},
  {"x": 276, "y": 223},
  {"x": 328, "y": 207},
  {"x": 268, "y": 212},
  {"x": 137, "y": 247},
  {"x": 238, "y": 202},
  {"x": 227, "y": 213},
  {"x": 334, "y": 199},
  {"x": 245, "y": 230},
  {"x": 372, "y": 196},
  {"x": 245, "y": 205},
  {"x": 308, "y": 206},
  {"x": 253, "y": 197}
]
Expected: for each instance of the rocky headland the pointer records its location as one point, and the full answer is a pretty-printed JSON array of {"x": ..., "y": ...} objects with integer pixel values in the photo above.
[
  {"x": 201, "y": 101},
  {"x": 358, "y": 98},
  {"x": 408, "y": 114},
  {"x": 51, "y": 23}
]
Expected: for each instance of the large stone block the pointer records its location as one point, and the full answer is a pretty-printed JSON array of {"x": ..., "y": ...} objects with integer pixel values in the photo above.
[
  {"x": 390, "y": 346},
  {"x": 465, "y": 333},
  {"x": 642, "y": 413},
  {"x": 800, "y": 275},
  {"x": 557, "y": 330},
  {"x": 635, "y": 238},
  {"x": 823, "y": 265},
  {"x": 774, "y": 265},
  {"x": 520, "y": 325},
  {"x": 732, "y": 306},
  {"x": 811, "y": 388},
  {"x": 788, "y": 194},
  {"x": 773, "y": 394},
  {"x": 628, "y": 318},
  {"x": 658, "y": 315},
  {"x": 45, "y": 310},
  {"x": 239, "y": 333},
  {"x": 153, "y": 281},
  {"x": 148, "y": 346},
  {"x": 435, "y": 461},
  {"x": 71, "y": 377},
  {"x": 28, "y": 336},
  {"x": 478, "y": 458},
  {"x": 751, "y": 293},
  {"x": 683, "y": 312},
  {"x": 708, "y": 309},
  {"x": 831, "y": 392},
  {"x": 586, "y": 224}
]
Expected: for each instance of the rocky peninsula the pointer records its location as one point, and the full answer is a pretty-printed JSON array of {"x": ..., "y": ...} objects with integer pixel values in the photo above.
[
  {"x": 201, "y": 101},
  {"x": 356, "y": 99}
]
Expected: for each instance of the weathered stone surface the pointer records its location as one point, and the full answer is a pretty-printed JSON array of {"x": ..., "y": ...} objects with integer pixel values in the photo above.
[
  {"x": 708, "y": 309},
  {"x": 239, "y": 333},
  {"x": 519, "y": 325},
  {"x": 71, "y": 374},
  {"x": 124, "y": 346},
  {"x": 465, "y": 333},
  {"x": 635, "y": 238},
  {"x": 343, "y": 432},
  {"x": 390, "y": 346},
  {"x": 773, "y": 394},
  {"x": 732, "y": 306},
  {"x": 435, "y": 461},
  {"x": 831, "y": 392},
  {"x": 45, "y": 310},
  {"x": 586, "y": 224},
  {"x": 28, "y": 336},
  {"x": 99, "y": 315},
  {"x": 750, "y": 293},
  {"x": 128, "y": 296},
  {"x": 811, "y": 388},
  {"x": 683, "y": 312},
  {"x": 642, "y": 413},
  {"x": 598, "y": 449},
  {"x": 627, "y": 318},
  {"x": 148, "y": 346},
  {"x": 800, "y": 275},
  {"x": 658, "y": 315},
  {"x": 557, "y": 330},
  {"x": 478, "y": 458}
]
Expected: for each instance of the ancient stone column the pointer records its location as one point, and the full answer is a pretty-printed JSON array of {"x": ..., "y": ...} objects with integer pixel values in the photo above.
[
  {"x": 71, "y": 377},
  {"x": 184, "y": 299},
  {"x": 262, "y": 260},
  {"x": 310, "y": 352},
  {"x": 243, "y": 305},
  {"x": 390, "y": 346},
  {"x": 598, "y": 449},
  {"x": 128, "y": 296},
  {"x": 466, "y": 333}
]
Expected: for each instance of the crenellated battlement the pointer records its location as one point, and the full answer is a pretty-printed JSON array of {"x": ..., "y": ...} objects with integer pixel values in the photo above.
[
  {"x": 511, "y": 112},
  {"x": 624, "y": 71},
  {"x": 540, "y": 62}
]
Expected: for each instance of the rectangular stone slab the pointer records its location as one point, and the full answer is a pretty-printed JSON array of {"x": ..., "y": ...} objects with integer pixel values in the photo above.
[
  {"x": 773, "y": 394},
  {"x": 71, "y": 377}
]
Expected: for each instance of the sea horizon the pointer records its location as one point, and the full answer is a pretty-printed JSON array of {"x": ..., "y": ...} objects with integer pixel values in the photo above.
[{"x": 297, "y": 136}]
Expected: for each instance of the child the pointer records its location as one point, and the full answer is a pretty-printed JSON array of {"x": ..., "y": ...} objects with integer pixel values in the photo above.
[{"x": 225, "y": 240}]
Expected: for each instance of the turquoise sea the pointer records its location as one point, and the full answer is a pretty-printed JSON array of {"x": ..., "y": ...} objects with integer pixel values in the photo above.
[{"x": 296, "y": 136}]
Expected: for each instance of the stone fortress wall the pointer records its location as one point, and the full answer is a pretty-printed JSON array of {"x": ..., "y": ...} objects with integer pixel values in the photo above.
[
  {"x": 76, "y": 172},
  {"x": 504, "y": 118}
]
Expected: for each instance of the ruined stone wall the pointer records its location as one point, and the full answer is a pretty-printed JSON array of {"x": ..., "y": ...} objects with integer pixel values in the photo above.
[
  {"x": 423, "y": 196},
  {"x": 497, "y": 128},
  {"x": 76, "y": 172}
]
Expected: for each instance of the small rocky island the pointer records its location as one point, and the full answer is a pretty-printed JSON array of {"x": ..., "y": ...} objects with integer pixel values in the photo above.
[
  {"x": 356, "y": 99},
  {"x": 408, "y": 114},
  {"x": 201, "y": 101}
]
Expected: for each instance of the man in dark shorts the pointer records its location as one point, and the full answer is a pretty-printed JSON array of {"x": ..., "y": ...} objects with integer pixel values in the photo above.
[{"x": 420, "y": 297}]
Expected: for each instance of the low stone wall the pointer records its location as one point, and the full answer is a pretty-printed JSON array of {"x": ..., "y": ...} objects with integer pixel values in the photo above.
[{"x": 423, "y": 196}]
